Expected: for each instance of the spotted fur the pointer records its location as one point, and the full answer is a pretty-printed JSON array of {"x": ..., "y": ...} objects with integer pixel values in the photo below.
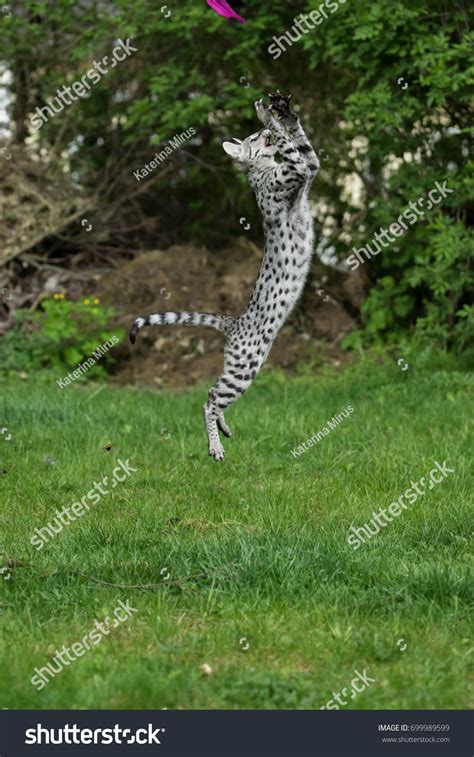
[{"x": 281, "y": 191}]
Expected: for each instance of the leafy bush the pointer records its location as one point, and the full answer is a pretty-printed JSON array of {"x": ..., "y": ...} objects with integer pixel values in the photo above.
[
  {"x": 384, "y": 94},
  {"x": 58, "y": 336},
  {"x": 427, "y": 300}
]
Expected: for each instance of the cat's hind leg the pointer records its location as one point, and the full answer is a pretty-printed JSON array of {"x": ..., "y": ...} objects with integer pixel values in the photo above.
[
  {"x": 222, "y": 425},
  {"x": 216, "y": 450},
  {"x": 239, "y": 372}
]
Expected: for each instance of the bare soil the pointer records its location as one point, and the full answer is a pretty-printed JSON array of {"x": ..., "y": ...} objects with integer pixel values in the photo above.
[{"x": 189, "y": 278}]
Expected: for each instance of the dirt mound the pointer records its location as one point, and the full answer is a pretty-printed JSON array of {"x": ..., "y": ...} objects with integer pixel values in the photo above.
[{"x": 189, "y": 278}]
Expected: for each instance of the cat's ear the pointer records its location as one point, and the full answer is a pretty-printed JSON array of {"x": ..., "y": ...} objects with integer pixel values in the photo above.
[{"x": 233, "y": 150}]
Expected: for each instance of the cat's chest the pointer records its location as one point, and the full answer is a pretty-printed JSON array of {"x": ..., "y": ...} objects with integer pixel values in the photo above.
[
  {"x": 294, "y": 213},
  {"x": 289, "y": 239}
]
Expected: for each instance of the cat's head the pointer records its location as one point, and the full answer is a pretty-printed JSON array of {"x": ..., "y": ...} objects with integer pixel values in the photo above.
[{"x": 255, "y": 152}]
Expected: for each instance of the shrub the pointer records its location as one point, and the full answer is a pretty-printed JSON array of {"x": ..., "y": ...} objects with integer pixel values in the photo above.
[{"x": 58, "y": 336}]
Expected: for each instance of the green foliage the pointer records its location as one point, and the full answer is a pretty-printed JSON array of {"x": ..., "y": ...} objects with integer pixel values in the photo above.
[
  {"x": 385, "y": 145},
  {"x": 59, "y": 336},
  {"x": 397, "y": 143}
]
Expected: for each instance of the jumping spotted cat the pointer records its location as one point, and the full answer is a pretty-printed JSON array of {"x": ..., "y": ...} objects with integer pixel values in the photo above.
[{"x": 281, "y": 190}]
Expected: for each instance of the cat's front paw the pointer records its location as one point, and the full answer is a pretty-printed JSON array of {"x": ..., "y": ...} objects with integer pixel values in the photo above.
[
  {"x": 262, "y": 112},
  {"x": 280, "y": 106}
]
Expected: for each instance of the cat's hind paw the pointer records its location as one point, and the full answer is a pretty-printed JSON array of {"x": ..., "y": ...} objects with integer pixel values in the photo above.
[
  {"x": 222, "y": 425},
  {"x": 216, "y": 450}
]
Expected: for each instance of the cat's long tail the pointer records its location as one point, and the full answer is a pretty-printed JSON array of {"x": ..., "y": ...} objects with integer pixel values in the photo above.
[{"x": 219, "y": 322}]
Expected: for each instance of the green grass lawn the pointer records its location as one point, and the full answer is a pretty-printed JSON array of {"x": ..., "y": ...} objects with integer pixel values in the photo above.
[{"x": 263, "y": 586}]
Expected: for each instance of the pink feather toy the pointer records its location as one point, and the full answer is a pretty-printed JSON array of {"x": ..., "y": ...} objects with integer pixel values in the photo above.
[{"x": 223, "y": 8}]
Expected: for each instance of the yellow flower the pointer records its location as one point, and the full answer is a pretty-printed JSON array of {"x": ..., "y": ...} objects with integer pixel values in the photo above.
[
  {"x": 87, "y": 302},
  {"x": 62, "y": 296},
  {"x": 96, "y": 301},
  {"x": 56, "y": 296}
]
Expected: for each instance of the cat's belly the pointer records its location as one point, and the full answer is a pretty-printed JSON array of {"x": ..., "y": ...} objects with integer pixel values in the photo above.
[
  {"x": 274, "y": 299},
  {"x": 284, "y": 268}
]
